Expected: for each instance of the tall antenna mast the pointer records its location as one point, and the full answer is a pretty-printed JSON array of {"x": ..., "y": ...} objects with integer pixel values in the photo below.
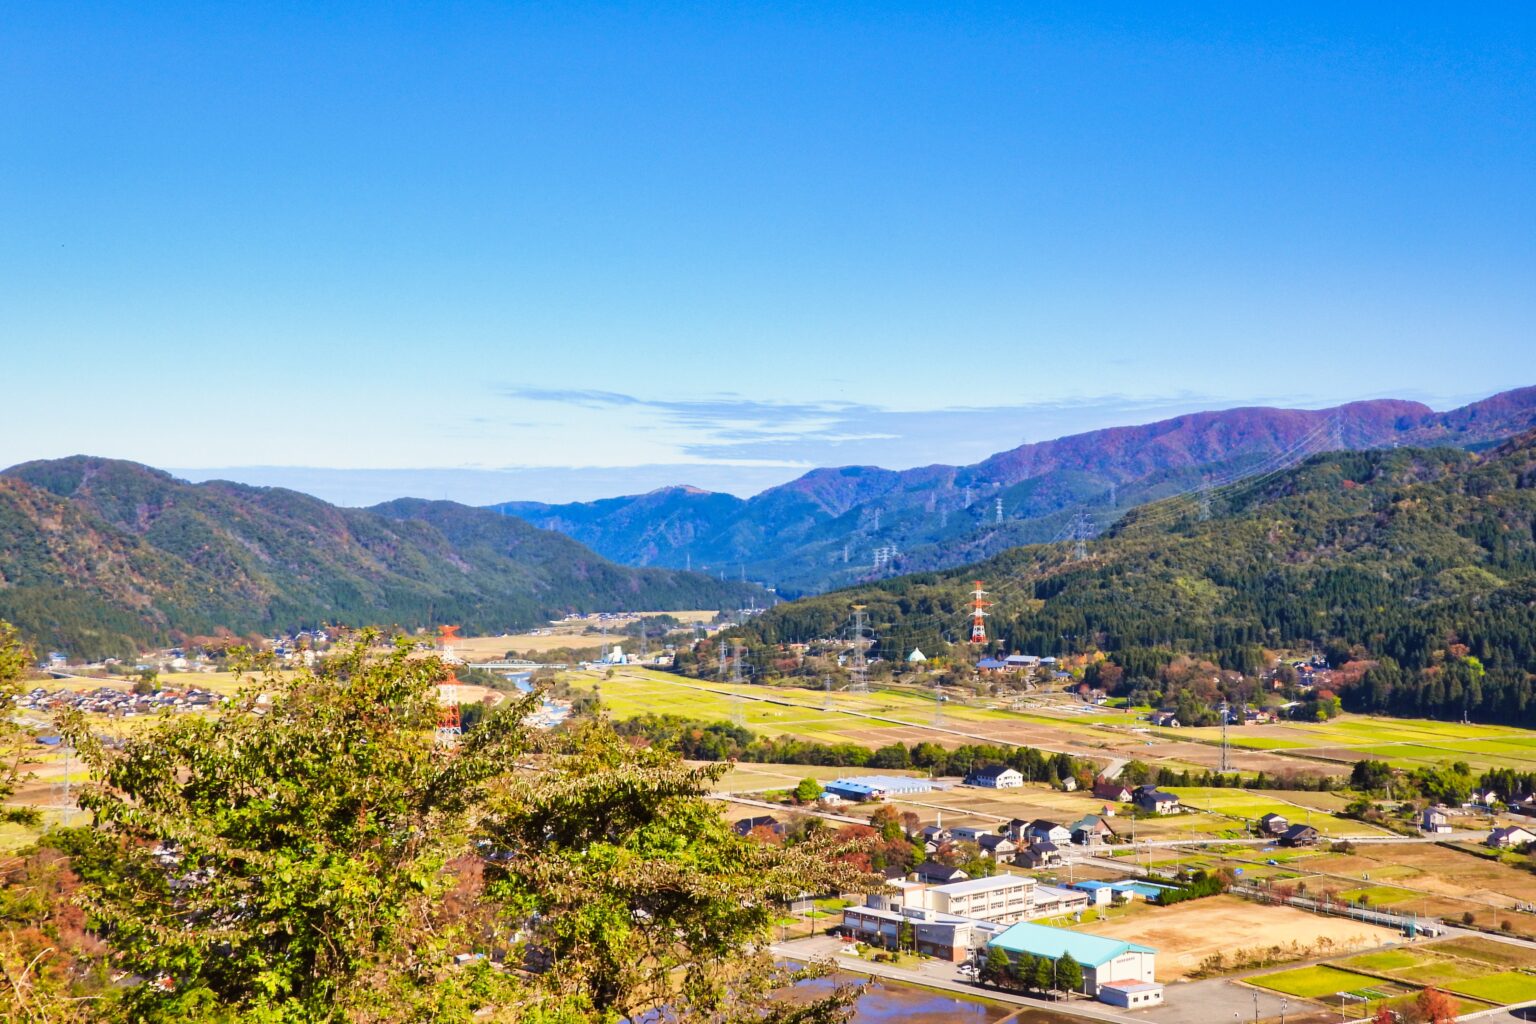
[
  {"x": 979, "y": 605},
  {"x": 860, "y": 666},
  {"x": 1080, "y": 536}
]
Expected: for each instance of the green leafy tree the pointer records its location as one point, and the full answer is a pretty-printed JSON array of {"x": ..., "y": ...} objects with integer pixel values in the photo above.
[
  {"x": 1069, "y": 974},
  {"x": 997, "y": 967},
  {"x": 310, "y": 853},
  {"x": 147, "y": 683},
  {"x": 808, "y": 791},
  {"x": 628, "y": 882},
  {"x": 1040, "y": 974},
  {"x": 1370, "y": 776},
  {"x": 287, "y": 859}
]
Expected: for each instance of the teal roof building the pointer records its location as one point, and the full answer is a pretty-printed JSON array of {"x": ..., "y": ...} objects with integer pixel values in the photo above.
[{"x": 1104, "y": 960}]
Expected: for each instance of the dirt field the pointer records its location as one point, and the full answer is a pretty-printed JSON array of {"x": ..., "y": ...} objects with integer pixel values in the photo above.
[
  {"x": 573, "y": 634},
  {"x": 1187, "y": 933}
]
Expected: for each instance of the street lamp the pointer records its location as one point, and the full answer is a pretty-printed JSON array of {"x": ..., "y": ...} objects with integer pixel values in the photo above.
[{"x": 1283, "y": 1004}]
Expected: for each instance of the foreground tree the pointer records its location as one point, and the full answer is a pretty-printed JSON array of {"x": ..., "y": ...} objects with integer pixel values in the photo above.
[
  {"x": 14, "y": 741},
  {"x": 310, "y": 853},
  {"x": 642, "y": 897}
]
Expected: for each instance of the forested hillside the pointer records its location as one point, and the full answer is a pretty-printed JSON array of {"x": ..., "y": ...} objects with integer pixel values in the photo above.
[
  {"x": 1417, "y": 565},
  {"x": 843, "y": 525},
  {"x": 99, "y": 557}
]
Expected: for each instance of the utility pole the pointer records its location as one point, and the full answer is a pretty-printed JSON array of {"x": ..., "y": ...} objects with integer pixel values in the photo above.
[{"x": 1226, "y": 765}]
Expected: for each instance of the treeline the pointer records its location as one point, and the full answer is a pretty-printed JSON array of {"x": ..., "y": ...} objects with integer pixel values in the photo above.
[
  {"x": 723, "y": 741},
  {"x": 1421, "y": 561}
]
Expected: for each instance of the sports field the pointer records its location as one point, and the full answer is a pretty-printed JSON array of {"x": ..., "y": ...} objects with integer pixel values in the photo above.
[{"x": 1187, "y": 933}]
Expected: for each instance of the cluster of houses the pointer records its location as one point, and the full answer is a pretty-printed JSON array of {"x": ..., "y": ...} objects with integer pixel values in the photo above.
[
  {"x": 106, "y": 700},
  {"x": 1167, "y": 718},
  {"x": 1031, "y": 844}
]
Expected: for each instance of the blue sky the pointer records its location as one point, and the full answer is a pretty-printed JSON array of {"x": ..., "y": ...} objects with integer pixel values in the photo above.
[{"x": 561, "y": 250}]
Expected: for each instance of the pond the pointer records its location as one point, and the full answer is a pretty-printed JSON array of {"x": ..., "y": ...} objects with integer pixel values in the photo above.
[{"x": 892, "y": 1002}]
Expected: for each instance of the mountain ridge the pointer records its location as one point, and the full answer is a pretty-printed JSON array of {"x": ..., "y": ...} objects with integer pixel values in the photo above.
[
  {"x": 1417, "y": 565},
  {"x": 824, "y": 528},
  {"x": 100, "y": 556}
]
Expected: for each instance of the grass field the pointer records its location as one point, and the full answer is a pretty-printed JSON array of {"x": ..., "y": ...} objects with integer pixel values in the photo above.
[
  {"x": 1318, "y": 982},
  {"x": 1387, "y": 960},
  {"x": 1490, "y": 951},
  {"x": 1504, "y": 987}
]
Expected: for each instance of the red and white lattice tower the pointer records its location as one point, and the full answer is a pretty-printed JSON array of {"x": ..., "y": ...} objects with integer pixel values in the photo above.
[
  {"x": 979, "y": 605},
  {"x": 449, "y": 728}
]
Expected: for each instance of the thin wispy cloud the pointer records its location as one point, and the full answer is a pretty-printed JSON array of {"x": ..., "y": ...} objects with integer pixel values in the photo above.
[{"x": 730, "y": 427}]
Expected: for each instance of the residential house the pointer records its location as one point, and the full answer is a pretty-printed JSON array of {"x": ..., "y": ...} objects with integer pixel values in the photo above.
[
  {"x": 1299, "y": 834},
  {"x": 934, "y": 833},
  {"x": 1273, "y": 824},
  {"x": 1434, "y": 820},
  {"x": 1091, "y": 830},
  {"x": 1154, "y": 800},
  {"x": 970, "y": 833},
  {"x": 1114, "y": 792},
  {"x": 1510, "y": 838},
  {"x": 1164, "y": 719},
  {"x": 999, "y": 848},
  {"x": 934, "y": 873},
  {"x": 1041, "y": 830},
  {"x": 1038, "y": 854},
  {"x": 995, "y": 776}
]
